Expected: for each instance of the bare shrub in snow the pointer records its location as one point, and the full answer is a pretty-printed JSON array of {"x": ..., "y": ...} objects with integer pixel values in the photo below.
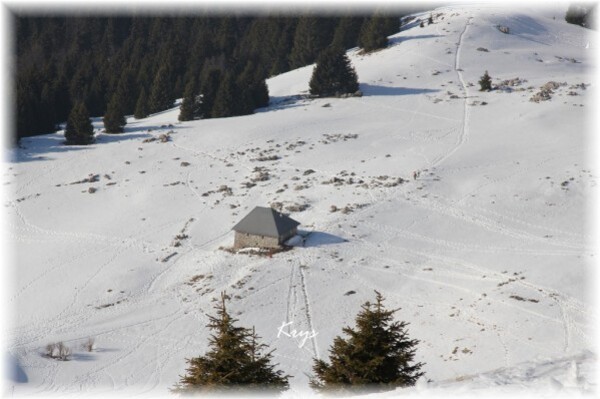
[
  {"x": 50, "y": 350},
  {"x": 58, "y": 351},
  {"x": 90, "y": 344},
  {"x": 64, "y": 352},
  {"x": 546, "y": 91}
]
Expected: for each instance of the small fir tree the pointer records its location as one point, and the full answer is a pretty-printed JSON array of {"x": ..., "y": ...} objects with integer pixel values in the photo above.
[
  {"x": 375, "y": 30},
  {"x": 114, "y": 120},
  {"x": 312, "y": 35},
  {"x": 126, "y": 91},
  {"x": 160, "y": 96},
  {"x": 234, "y": 362},
  {"x": 79, "y": 130},
  {"x": 141, "y": 107},
  {"x": 376, "y": 356},
  {"x": 226, "y": 101},
  {"x": 210, "y": 81},
  {"x": 347, "y": 31},
  {"x": 255, "y": 93},
  {"x": 485, "y": 82},
  {"x": 333, "y": 75},
  {"x": 576, "y": 14},
  {"x": 191, "y": 107}
]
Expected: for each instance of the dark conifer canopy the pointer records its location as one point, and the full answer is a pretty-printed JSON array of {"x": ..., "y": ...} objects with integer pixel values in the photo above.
[
  {"x": 141, "y": 106},
  {"x": 79, "y": 130},
  {"x": 375, "y": 30},
  {"x": 227, "y": 100},
  {"x": 313, "y": 34},
  {"x": 114, "y": 120},
  {"x": 160, "y": 95},
  {"x": 191, "y": 107},
  {"x": 333, "y": 75},
  {"x": 148, "y": 61}
]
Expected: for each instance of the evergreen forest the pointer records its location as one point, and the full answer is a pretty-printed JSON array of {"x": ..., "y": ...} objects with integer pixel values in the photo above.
[{"x": 138, "y": 65}]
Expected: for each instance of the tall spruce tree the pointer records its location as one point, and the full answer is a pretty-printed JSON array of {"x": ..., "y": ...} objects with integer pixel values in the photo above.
[
  {"x": 160, "y": 96},
  {"x": 312, "y": 35},
  {"x": 126, "y": 90},
  {"x": 333, "y": 75},
  {"x": 114, "y": 119},
  {"x": 79, "y": 130},
  {"x": 254, "y": 91},
  {"x": 210, "y": 81},
  {"x": 141, "y": 106},
  {"x": 376, "y": 356},
  {"x": 227, "y": 102},
  {"x": 375, "y": 30},
  {"x": 347, "y": 31},
  {"x": 234, "y": 362},
  {"x": 191, "y": 106}
]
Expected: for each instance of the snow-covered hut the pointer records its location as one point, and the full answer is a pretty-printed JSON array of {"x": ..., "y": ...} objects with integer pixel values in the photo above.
[{"x": 264, "y": 228}]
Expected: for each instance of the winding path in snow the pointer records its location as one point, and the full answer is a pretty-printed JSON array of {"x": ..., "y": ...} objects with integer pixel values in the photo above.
[{"x": 464, "y": 129}]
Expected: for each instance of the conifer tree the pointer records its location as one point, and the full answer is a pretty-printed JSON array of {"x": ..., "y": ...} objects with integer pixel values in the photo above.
[
  {"x": 125, "y": 91},
  {"x": 234, "y": 362},
  {"x": 255, "y": 93},
  {"x": 376, "y": 356},
  {"x": 347, "y": 31},
  {"x": 576, "y": 14},
  {"x": 227, "y": 101},
  {"x": 160, "y": 96},
  {"x": 79, "y": 128},
  {"x": 191, "y": 107},
  {"x": 114, "y": 120},
  {"x": 141, "y": 107},
  {"x": 485, "y": 82},
  {"x": 210, "y": 81},
  {"x": 375, "y": 30},
  {"x": 312, "y": 35},
  {"x": 333, "y": 75},
  {"x": 260, "y": 93},
  {"x": 47, "y": 103}
]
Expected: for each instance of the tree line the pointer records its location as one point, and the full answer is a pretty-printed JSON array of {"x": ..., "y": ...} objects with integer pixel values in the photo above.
[{"x": 138, "y": 65}]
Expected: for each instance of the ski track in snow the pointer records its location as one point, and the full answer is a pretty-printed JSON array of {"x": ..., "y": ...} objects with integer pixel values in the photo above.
[
  {"x": 464, "y": 129},
  {"x": 308, "y": 312}
]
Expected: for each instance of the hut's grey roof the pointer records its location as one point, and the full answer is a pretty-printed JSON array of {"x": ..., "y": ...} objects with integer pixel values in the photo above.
[{"x": 265, "y": 222}]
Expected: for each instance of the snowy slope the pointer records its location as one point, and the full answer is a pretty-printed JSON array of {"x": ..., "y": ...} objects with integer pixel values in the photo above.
[{"x": 488, "y": 254}]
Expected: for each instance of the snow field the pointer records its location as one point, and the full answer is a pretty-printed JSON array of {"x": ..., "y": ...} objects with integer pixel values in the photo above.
[{"x": 488, "y": 254}]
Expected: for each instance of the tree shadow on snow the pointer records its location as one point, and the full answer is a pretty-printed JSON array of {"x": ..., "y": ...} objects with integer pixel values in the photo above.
[
  {"x": 399, "y": 39},
  {"x": 100, "y": 350},
  {"x": 40, "y": 148},
  {"x": 14, "y": 371},
  {"x": 118, "y": 137},
  {"x": 284, "y": 102},
  {"x": 83, "y": 357},
  {"x": 375, "y": 90}
]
